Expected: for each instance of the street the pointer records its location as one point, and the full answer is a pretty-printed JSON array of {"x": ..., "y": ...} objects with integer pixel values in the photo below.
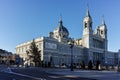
[
  {"x": 33, "y": 74},
  {"x": 8, "y": 76},
  {"x": 38, "y": 73}
]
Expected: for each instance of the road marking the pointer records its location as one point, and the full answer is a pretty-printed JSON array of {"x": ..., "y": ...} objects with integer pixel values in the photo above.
[
  {"x": 6, "y": 70},
  {"x": 54, "y": 76},
  {"x": 27, "y": 76},
  {"x": 9, "y": 71}
]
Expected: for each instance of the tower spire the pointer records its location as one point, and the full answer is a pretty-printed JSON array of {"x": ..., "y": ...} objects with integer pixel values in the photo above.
[
  {"x": 60, "y": 19},
  {"x": 103, "y": 20},
  {"x": 60, "y": 25},
  {"x": 60, "y": 16},
  {"x": 87, "y": 13}
]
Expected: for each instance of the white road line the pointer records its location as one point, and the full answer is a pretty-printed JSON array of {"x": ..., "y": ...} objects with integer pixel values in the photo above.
[{"x": 9, "y": 71}]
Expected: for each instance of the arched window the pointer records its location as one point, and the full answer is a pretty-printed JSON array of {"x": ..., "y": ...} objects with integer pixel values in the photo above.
[
  {"x": 101, "y": 32},
  {"x": 85, "y": 25}
]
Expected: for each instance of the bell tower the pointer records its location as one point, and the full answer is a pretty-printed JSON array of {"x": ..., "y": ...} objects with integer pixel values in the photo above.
[
  {"x": 103, "y": 29},
  {"x": 103, "y": 33},
  {"x": 87, "y": 30}
]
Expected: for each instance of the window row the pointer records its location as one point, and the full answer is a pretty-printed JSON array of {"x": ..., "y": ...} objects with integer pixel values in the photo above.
[{"x": 24, "y": 48}]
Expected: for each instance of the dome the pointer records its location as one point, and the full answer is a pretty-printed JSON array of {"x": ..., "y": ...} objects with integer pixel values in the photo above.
[{"x": 61, "y": 28}]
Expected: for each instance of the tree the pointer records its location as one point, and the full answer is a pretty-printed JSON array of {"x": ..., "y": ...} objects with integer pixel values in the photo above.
[
  {"x": 90, "y": 65},
  {"x": 36, "y": 53},
  {"x": 82, "y": 64}
]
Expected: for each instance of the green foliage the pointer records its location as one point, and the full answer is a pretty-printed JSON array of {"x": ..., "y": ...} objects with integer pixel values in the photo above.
[
  {"x": 36, "y": 53},
  {"x": 90, "y": 65}
]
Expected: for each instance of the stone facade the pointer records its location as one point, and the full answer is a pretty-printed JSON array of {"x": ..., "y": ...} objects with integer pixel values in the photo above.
[{"x": 55, "y": 48}]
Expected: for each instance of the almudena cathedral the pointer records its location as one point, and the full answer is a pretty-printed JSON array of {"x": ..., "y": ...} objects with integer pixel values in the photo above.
[{"x": 56, "y": 48}]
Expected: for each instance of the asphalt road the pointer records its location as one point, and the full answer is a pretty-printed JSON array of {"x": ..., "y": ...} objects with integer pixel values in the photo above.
[
  {"x": 9, "y": 76},
  {"x": 33, "y": 74},
  {"x": 40, "y": 74}
]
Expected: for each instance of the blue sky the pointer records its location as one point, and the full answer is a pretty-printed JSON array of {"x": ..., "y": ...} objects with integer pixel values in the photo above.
[{"x": 23, "y": 20}]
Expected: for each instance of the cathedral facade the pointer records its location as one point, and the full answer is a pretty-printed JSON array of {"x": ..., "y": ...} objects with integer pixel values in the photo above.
[{"x": 56, "y": 48}]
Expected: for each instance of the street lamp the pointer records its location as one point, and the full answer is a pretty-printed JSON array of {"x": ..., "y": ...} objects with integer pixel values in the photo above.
[
  {"x": 71, "y": 43},
  {"x": 27, "y": 57},
  {"x": 118, "y": 60}
]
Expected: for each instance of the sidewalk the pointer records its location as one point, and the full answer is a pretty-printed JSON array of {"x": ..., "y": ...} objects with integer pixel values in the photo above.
[{"x": 93, "y": 74}]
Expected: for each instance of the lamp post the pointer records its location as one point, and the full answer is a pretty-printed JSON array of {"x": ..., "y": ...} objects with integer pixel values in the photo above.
[
  {"x": 27, "y": 57},
  {"x": 71, "y": 43},
  {"x": 118, "y": 60}
]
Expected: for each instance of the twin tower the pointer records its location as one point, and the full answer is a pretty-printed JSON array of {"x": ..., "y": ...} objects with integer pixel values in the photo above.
[
  {"x": 90, "y": 38},
  {"x": 94, "y": 39}
]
